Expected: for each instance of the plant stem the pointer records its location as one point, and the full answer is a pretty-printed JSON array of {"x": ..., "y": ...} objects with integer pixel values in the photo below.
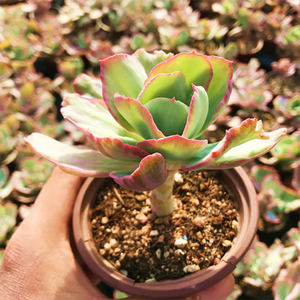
[{"x": 162, "y": 197}]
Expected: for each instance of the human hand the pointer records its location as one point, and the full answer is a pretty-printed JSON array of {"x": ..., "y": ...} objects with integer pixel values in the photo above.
[{"x": 39, "y": 263}]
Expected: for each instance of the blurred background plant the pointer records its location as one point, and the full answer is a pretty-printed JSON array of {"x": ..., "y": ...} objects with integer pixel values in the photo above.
[{"x": 46, "y": 44}]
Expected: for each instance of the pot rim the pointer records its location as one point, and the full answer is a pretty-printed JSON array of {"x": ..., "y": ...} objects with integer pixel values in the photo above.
[{"x": 240, "y": 185}]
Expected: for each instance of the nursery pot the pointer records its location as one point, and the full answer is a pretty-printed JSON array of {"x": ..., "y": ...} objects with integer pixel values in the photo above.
[{"x": 237, "y": 184}]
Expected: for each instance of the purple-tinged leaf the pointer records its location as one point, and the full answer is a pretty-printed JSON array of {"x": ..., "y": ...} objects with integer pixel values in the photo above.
[
  {"x": 116, "y": 149},
  {"x": 239, "y": 145},
  {"x": 195, "y": 67},
  {"x": 286, "y": 199},
  {"x": 122, "y": 74},
  {"x": 296, "y": 177},
  {"x": 272, "y": 210},
  {"x": 165, "y": 86},
  {"x": 197, "y": 113},
  {"x": 138, "y": 116},
  {"x": 258, "y": 172},
  {"x": 174, "y": 148},
  {"x": 77, "y": 160},
  {"x": 149, "y": 61},
  {"x": 150, "y": 174}
]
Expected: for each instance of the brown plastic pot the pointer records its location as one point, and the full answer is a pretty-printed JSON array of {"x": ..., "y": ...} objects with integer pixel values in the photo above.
[{"x": 237, "y": 183}]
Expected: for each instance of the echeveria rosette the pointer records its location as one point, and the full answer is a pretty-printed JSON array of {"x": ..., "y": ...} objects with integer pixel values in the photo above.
[
  {"x": 149, "y": 124},
  {"x": 287, "y": 286},
  {"x": 290, "y": 107},
  {"x": 275, "y": 199}
]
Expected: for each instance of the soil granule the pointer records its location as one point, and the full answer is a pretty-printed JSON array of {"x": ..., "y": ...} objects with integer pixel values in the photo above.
[{"x": 143, "y": 247}]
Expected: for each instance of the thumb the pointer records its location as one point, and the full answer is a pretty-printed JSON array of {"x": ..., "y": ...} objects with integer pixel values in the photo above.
[{"x": 54, "y": 205}]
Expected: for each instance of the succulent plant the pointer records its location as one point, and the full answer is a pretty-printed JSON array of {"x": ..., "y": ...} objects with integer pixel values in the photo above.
[
  {"x": 250, "y": 90},
  {"x": 51, "y": 36},
  {"x": 7, "y": 145},
  {"x": 142, "y": 135},
  {"x": 283, "y": 80},
  {"x": 289, "y": 106},
  {"x": 259, "y": 267},
  {"x": 296, "y": 177},
  {"x": 70, "y": 67},
  {"x": 289, "y": 40},
  {"x": 173, "y": 37},
  {"x": 285, "y": 153},
  {"x": 287, "y": 286},
  {"x": 284, "y": 67},
  {"x": 99, "y": 50},
  {"x": 274, "y": 21},
  {"x": 8, "y": 215},
  {"x": 27, "y": 183},
  {"x": 5, "y": 183},
  {"x": 208, "y": 29},
  {"x": 275, "y": 199},
  {"x": 131, "y": 44},
  {"x": 291, "y": 251},
  {"x": 5, "y": 70},
  {"x": 17, "y": 39},
  {"x": 37, "y": 6}
]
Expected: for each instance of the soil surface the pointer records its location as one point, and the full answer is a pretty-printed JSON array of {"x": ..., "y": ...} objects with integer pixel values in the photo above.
[{"x": 146, "y": 248}]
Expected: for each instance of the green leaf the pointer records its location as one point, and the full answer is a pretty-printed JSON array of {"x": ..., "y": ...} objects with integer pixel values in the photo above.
[
  {"x": 149, "y": 61},
  {"x": 169, "y": 115},
  {"x": 88, "y": 86},
  {"x": 260, "y": 171},
  {"x": 282, "y": 289},
  {"x": 174, "y": 148},
  {"x": 94, "y": 115},
  {"x": 195, "y": 67},
  {"x": 219, "y": 88},
  {"x": 164, "y": 86},
  {"x": 122, "y": 74},
  {"x": 286, "y": 199},
  {"x": 138, "y": 116},
  {"x": 197, "y": 113}
]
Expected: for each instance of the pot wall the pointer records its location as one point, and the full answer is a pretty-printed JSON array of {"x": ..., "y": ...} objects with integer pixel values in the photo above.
[{"x": 236, "y": 182}]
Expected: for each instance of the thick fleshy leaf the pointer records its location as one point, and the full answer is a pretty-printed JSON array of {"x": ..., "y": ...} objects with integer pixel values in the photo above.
[
  {"x": 175, "y": 148},
  {"x": 88, "y": 87},
  {"x": 149, "y": 61},
  {"x": 239, "y": 145},
  {"x": 197, "y": 113},
  {"x": 94, "y": 116},
  {"x": 293, "y": 272},
  {"x": 258, "y": 172},
  {"x": 282, "y": 289},
  {"x": 122, "y": 74},
  {"x": 169, "y": 115},
  {"x": 195, "y": 67},
  {"x": 116, "y": 149},
  {"x": 150, "y": 174},
  {"x": 219, "y": 88},
  {"x": 77, "y": 160},
  {"x": 165, "y": 86},
  {"x": 138, "y": 117},
  {"x": 287, "y": 200},
  {"x": 294, "y": 235}
]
